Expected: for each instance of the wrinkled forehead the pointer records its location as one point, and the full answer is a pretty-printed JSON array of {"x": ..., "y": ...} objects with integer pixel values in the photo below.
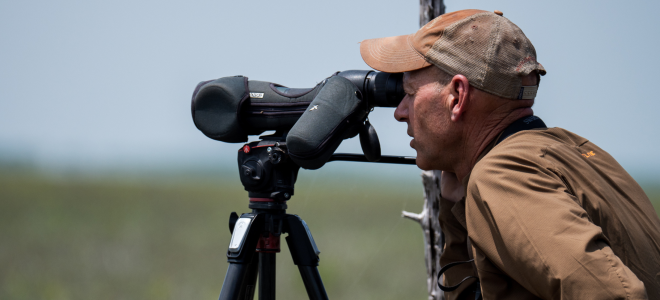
[{"x": 417, "y": 78}]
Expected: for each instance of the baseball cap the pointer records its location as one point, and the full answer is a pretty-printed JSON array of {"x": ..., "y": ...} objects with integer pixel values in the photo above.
[{"x": 492, "y": 52}]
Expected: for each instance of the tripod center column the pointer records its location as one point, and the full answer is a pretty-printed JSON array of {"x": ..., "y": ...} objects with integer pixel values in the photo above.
[{"x": 269, "y": 244}]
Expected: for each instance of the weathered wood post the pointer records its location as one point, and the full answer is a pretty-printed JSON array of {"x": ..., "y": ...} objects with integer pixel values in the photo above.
[
  {"x": 433, "y": 239},
  {"x": 429, "y": 9},
  {"x": 428, "y": 218}
]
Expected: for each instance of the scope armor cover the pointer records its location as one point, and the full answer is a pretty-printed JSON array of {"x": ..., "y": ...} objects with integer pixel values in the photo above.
[{"x": 332, "y": 116}]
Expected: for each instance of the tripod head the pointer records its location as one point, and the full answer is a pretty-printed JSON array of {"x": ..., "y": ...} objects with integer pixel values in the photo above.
[
  {"x": 269, "y": 174},
  {"x": 266, "y": 171}
]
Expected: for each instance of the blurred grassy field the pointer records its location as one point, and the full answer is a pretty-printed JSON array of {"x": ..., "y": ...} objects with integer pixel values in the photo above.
[
  {"x": 76, "y": 237},
  {"x": 82, "y": 237}
]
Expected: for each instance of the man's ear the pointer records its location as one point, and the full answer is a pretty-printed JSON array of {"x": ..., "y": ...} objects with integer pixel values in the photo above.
[{"x": 459, "y": 95}]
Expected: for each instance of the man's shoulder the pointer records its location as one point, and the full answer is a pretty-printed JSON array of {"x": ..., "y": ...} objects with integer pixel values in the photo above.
[
  {"x": 534, "y": 143},
  {"x": 540, "y": 138},
  {"x": 524, "y": 152}
]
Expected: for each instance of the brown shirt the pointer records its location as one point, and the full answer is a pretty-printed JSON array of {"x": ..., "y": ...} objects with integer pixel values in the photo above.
[{"x": 550, "y": 215}]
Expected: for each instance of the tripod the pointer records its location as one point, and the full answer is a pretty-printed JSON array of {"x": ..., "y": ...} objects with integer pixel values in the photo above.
[
  {"x": 269, "y": 175},
  {"x": 252, "y": 251}
]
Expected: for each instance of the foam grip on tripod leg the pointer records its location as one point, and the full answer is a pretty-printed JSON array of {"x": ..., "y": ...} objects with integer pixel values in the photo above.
[{"x": 336, "y": 109}]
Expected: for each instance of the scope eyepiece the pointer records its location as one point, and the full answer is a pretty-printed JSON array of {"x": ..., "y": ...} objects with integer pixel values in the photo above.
[{"x": 380, "y": 89}]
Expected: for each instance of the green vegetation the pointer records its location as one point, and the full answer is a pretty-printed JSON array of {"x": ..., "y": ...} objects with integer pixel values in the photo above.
[{"x": 75, "y": 237}]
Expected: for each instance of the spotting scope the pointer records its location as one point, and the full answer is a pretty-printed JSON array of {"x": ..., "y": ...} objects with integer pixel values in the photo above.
[{"x": 313, "y": 120}]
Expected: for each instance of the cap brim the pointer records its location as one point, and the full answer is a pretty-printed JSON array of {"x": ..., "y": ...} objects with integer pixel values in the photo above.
[{"x": 392, "y": 54}]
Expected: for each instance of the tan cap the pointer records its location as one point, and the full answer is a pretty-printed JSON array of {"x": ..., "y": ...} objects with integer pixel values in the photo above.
[{"x": 487, "y": 48}]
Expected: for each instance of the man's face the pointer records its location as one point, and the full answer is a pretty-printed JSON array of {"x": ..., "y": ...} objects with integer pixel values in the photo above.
[{"x": 427, "y": 114}]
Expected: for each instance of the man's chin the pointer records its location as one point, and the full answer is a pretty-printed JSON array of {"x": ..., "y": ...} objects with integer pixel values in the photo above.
[
  {"x": 427, "y": 163},
  {"x": 423, "y": 164}
]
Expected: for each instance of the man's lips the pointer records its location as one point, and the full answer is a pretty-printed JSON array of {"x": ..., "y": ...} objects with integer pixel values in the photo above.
[{"x": 412, "y": 145}]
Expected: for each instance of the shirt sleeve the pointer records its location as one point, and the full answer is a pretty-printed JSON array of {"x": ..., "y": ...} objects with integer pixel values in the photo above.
[{"x": 528, "y": 227}]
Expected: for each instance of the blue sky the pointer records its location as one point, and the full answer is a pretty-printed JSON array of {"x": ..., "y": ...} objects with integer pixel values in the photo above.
[{"x": 107, "y": 84}]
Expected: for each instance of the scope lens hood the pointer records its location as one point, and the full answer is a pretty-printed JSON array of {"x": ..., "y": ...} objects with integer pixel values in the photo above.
[{"x": 216, "y": 105}]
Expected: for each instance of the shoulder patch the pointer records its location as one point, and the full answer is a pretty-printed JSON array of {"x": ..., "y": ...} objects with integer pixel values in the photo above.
[{"x": 588, "y": 154}]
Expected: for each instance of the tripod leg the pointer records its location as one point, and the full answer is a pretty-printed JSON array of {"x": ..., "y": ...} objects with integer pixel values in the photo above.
[
  {"x": 242, "y": 272},
  {"x": 239, "y": 282},
  {"x": 312, "y": 280},
  {"x": 305, "y": 256},
  {"x": 266, "y": 276},
  {"x": 250, "y": 281}
]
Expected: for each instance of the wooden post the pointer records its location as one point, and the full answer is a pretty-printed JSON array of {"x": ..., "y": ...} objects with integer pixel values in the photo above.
[
  {"x": 429, "y": 9},
  {"x": 433, "y": 239}
]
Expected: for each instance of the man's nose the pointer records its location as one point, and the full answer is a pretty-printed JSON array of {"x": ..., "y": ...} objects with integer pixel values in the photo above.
[{"x": 401, "y": 111}]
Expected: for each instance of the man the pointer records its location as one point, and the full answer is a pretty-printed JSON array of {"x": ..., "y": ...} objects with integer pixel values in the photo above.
[{"x": 530, "y": 212}]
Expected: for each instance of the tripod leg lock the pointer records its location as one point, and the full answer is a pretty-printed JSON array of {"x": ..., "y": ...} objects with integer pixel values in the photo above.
[
  {"x": 244, "y": 238},
  {"x": 241, "y": 230},
  {"x": 232, "y": 221},
  {"x": 311, "y": 238},
  {"x": 301, "y": 243}
]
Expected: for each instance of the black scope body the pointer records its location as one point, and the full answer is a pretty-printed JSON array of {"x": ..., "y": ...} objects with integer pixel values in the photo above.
[{"x": 229, "y": 109}]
